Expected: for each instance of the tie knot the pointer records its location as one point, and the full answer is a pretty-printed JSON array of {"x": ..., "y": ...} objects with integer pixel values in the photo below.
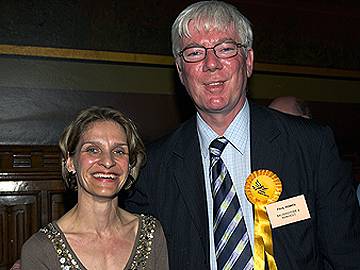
[{"x": 217, "y": 146}]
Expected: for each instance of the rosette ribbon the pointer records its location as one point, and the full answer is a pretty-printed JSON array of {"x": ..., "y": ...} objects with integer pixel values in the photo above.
[{"x": 262, "y": 188}]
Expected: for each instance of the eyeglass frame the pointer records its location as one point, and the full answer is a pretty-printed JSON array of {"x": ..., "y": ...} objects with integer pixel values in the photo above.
[{"x": 238, "y": 45}]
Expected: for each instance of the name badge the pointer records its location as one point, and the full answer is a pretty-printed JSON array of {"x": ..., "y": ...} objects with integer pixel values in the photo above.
[{"x": 287, "y": 211}]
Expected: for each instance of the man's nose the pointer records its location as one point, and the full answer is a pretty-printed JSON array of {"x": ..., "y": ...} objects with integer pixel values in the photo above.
[{"x": 211, "y": 61}]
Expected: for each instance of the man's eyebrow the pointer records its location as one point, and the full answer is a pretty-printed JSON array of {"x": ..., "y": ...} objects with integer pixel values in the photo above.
[{"x": 195, "y": 44}]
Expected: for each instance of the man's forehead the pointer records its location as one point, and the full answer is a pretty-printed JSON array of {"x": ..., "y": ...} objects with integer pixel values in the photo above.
[
  {"x": 207, "y": 25},
  {"x": 208, "y": 33}
]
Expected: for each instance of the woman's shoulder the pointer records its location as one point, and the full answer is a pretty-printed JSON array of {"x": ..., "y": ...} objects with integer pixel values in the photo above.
[
  {"x": 38, "y": 251},
  {"x": 149, "y": 223},
  {"x": 156, "y": 247},
  {"x": 151, "y": 231},
  {"x": 150, "y": 237},
  {"x": 37, "y": 240},
  {"x": 148, "y": 219},
  {"x": 40, "y": 238}
]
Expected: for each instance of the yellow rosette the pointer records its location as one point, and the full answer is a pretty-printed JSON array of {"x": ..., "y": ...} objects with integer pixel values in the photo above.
[{"x": 262, "y": 188}]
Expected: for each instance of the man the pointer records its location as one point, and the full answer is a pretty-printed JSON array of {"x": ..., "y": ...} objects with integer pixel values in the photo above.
[
  {"x": 291, "y": 105},
  {"x": 185, "y": 171},
  {"x": 298, "y": 107}
]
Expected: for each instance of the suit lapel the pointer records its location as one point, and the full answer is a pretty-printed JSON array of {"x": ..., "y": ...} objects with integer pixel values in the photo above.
[
  {"x": 266, "y": 151},
  {"x": 189, "y": 176}
]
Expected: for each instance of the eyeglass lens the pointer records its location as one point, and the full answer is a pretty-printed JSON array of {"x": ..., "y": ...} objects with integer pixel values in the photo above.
[{"x": 198, "y": 53}]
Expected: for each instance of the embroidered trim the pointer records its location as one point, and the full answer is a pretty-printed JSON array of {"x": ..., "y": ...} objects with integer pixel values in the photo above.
[
  {"x": 65, "y": 257},
  {"x": 143, "y": 246}
]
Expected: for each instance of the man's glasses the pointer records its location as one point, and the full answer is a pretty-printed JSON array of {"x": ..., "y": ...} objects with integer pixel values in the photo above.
[{"x": 222, "y": 50}]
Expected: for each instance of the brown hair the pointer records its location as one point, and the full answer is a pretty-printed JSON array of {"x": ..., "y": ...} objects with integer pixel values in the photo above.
[{"x": 72, "y": 133}]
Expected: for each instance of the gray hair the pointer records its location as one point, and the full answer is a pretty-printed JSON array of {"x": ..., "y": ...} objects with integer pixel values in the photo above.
[{"x": 209, "y": 15}]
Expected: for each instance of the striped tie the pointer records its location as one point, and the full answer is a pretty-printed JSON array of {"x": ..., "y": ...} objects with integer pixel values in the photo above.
[{"x": 232, "y": 246}]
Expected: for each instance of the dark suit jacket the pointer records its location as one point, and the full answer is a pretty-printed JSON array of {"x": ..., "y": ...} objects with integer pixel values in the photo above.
[{"x": 303, "y": 155}]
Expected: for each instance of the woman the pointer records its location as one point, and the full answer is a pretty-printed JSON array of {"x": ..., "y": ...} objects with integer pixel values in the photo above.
[{"x": 102, "y": 153}]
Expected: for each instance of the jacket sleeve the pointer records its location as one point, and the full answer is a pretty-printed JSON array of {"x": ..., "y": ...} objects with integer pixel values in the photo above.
[{"x": 337, "y": 209}]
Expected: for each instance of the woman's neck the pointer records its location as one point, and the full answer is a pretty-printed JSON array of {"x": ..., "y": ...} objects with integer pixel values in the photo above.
[{"x": 95, "y": 215}]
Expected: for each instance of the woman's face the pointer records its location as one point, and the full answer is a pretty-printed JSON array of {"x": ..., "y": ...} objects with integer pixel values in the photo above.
[{"x": 101, "y": 161}]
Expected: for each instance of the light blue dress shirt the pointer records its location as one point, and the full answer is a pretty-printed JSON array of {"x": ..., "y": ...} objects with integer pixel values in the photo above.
[{"x": 236, "y": 157}]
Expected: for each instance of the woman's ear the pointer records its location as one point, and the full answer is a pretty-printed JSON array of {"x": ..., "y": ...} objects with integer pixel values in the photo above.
[
  {"x": 70, "y": 165},
  {"x": 134, "y": 171}
]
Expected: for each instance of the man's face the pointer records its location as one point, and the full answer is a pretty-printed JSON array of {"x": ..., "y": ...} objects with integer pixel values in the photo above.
[{"x": 217, "y": 86}]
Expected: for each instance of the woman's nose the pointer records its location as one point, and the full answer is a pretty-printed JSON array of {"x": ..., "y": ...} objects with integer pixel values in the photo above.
[{"x": 107, "y": 160}]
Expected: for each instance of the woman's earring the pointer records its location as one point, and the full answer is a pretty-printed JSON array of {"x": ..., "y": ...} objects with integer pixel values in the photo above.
[
  {"x": 129, "y": 181},
  {"x": 71, "y": 181}
]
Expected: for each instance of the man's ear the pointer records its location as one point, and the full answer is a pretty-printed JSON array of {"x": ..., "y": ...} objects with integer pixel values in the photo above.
[
  {"x": 249, "y": 62},
  {"x": 179, "y": 69}
]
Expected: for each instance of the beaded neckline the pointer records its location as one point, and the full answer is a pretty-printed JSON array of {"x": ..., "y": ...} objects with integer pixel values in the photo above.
[{"x": 69, "y": 261}]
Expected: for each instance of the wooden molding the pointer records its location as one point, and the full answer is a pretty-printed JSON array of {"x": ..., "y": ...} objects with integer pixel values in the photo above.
[{"x": 76, "y": 54}]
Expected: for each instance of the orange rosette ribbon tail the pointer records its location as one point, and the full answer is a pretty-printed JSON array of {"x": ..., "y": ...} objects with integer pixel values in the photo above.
[{"x": 262, "y": 188}]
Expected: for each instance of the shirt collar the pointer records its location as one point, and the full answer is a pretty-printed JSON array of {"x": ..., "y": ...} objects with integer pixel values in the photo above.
[{"x": 237, "y": 132}]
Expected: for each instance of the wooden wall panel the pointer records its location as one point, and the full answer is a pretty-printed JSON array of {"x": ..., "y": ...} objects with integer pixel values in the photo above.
[
  {"x": 31, "y": 195},
  {"x": 56, "y": 205},
  {"x": 4, "y": 237},
  {"x": 21, "y": 218}
]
